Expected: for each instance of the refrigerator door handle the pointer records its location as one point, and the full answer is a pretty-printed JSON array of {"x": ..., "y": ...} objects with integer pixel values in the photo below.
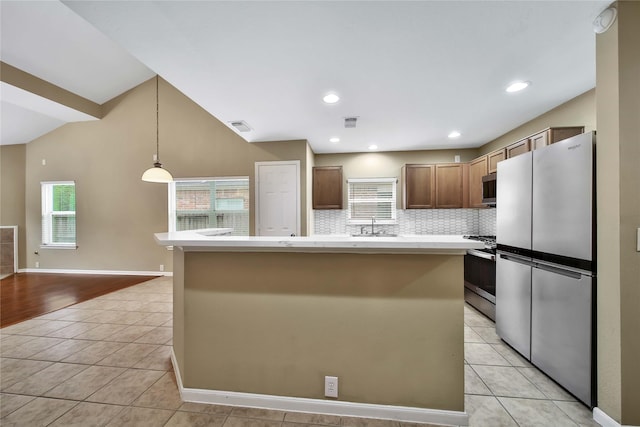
[
  {"x": 517, "y": 259},
  {"x": 561, "y": 271},
  {"x": 566, "y": 270}
]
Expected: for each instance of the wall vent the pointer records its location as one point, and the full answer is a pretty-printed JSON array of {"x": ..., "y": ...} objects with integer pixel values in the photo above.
[
  {"x": 240, "y": 125},
  {"x": 350, "y": 122}
]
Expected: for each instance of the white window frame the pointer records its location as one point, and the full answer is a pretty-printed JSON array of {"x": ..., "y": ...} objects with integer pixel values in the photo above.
[
  {"x": 171, "y": 188},
  {"x": 46, "y": 188},
  {"x": 392, "y": 201}
]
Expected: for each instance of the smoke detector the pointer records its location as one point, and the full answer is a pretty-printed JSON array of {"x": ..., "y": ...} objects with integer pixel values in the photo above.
[
  {"x": 240, "y": 126},
  {"x": 350, "y": 122},
  {"x": 605, "y": 20}
]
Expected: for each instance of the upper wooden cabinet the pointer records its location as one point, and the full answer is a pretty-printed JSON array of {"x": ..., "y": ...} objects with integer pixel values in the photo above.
[
  {"x": 450, "y": 185},
  {"x": 477, "y": 169},
  {"x": 327, "y": 187},
  {"x": 539, "y": 140},
  {"x": 553, "y": 135},
  {"x": 517, "y": 148},
  {"x": 542, "y": 139},
  {"x": 418, "y": 186},
  {"x": 434, "y": 186},
  {"x": 493, "y": 158}
]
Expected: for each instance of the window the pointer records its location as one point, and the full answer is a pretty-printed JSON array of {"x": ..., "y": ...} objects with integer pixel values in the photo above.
[
  {"x": 371, "y": 198},
  {"x": 209, "y": 203},
  {"x": 59, "y": 214}
]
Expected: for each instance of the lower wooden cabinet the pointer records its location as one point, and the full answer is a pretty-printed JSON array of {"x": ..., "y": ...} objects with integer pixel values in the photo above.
[{"x": 327, "y": 187}]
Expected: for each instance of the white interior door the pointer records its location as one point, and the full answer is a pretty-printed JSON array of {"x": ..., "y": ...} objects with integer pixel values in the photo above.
[{"x": 277, "y": 198}]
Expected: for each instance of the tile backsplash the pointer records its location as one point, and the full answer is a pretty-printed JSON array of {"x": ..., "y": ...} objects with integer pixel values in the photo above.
[
  {"x": 414, "y": 221},
  {"x": 487, "y": 218}
]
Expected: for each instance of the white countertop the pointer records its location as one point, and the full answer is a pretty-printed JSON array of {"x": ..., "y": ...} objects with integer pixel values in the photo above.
[{"x": 197, "y": 240}]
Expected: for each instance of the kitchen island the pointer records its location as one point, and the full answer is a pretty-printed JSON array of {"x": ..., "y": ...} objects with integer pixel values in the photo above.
[{"x": 260, "y": 321}]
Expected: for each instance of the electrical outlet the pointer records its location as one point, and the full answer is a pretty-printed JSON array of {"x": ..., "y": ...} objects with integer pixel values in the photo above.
[
  {"x": 331, "y": 386},
  {"x": 161, "y": 267},
  {"x": 37, "y": 264}
]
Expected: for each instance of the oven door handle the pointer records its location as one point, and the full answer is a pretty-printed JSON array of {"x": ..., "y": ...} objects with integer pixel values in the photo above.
[{"x": 481, "y": 254}]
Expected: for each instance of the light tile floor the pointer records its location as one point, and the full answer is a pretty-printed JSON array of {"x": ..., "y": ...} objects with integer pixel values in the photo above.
[{"x": 106, "y": 362}]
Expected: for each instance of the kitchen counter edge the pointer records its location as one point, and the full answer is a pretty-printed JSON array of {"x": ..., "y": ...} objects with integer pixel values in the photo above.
[{"x": 418, "y": 244}]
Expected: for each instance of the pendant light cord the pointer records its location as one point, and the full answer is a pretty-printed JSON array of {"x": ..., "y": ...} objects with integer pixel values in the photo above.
[{"x": 157, "y": 122}]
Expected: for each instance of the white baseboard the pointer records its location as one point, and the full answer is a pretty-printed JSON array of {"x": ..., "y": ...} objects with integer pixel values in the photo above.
[
  {"x": 605, "y": 420},
  {"x": 105, "y": 272},
  {"x": 318, "y": 406}
]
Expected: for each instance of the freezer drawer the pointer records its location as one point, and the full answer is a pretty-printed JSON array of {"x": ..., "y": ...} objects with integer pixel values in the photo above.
[
  {"x": 513, "y": 303},
  {"x": 561, "y": 330}
]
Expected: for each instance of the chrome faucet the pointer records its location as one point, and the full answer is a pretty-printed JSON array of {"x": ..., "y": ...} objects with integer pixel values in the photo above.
[
  {"x": 373, "y": 220},
  {"x": 362, "y": 230}
]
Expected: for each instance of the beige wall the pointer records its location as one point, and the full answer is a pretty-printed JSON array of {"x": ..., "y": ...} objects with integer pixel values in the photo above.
[
  {"x": 117, "y": 213},
  {"x": 579, "y": 111},
  {"x": 389, "y": 326},
  {"x": 618, "y": 199},
  {"x": 12, "y": 182}
]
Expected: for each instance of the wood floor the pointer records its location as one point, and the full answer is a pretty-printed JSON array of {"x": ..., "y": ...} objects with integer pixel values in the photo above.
[{"x": 27, "y": 295}]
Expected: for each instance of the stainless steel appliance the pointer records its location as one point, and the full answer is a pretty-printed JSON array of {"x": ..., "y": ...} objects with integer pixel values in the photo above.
[
  {"x": 489, "y": 183},
  {"x": 480, "y": 276},
  {"x": 545, "y": 267}
]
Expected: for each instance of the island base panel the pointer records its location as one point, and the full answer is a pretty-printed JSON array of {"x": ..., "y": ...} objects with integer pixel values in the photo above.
[{"x": 390, "y": 326}]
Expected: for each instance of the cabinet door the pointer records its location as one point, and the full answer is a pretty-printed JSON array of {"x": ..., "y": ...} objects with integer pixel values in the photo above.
[
  {"x": 449, "y": 185},
  {"x": 477, "y": 169},
  {"x": 418, "y": 186},
  {"x": 493, "y": 158},
  {"x": 327, "y": 187},
  {"x": 539, "y": 140},
  {"x": 558, "y": 134},
  {"x": 518, "y": 148}
]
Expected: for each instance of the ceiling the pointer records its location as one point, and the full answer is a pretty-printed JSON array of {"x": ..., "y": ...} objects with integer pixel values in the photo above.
[{"x": 411, "y": 72}]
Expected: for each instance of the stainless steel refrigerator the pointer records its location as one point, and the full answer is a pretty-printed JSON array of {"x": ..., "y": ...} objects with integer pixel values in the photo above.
[{"x": 545, "y": 271}]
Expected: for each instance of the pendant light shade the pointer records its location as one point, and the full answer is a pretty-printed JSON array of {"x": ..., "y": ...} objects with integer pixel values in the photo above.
[{"x": 157, "y": 173}]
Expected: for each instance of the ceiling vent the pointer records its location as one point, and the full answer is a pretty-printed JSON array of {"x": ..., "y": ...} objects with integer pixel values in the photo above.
[
  {"x": 350, "y": 122},
  {"x": 240, "y": 125}
]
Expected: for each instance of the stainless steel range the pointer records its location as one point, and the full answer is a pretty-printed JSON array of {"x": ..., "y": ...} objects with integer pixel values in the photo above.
[{"x": 480, "y": 276}]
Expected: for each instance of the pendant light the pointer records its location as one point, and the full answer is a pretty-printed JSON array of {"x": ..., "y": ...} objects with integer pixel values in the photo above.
[{"x": 157, "y": 173}]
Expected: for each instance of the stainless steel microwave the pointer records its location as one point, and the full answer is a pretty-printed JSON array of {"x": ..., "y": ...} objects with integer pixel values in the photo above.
[{"x": 489, "y": 189}]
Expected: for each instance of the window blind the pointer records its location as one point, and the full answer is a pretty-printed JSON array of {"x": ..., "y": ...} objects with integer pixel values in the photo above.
[
  {"x": 371, "y": 198},
  {"x": 58, "y": 213}
]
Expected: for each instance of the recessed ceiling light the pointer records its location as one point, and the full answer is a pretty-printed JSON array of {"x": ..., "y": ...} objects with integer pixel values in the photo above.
[
  {"x": 334, "y": 140},
  {"x": 454, "y": 134},
  {"x": 517, "y": 86},
  {"x": 373, "y": 147},
  {"x": 331, "y": 98}
]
